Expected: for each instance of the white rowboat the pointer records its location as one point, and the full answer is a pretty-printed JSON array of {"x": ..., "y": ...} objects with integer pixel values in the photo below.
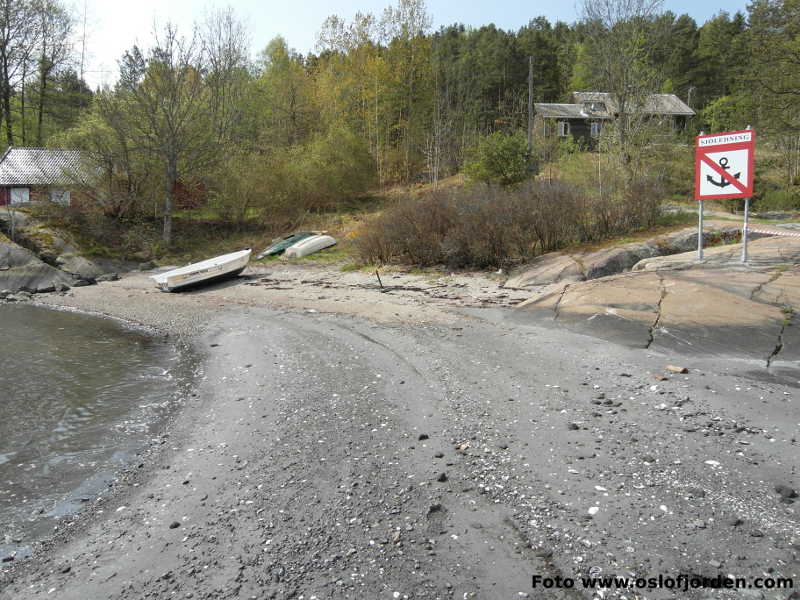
[
  {"x": 310, "y": 245},
  {"x": 212, "y": 269}
]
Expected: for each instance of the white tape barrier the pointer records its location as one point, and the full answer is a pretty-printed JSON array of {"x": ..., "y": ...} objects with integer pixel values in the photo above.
[{"x": 773, "y": 232}]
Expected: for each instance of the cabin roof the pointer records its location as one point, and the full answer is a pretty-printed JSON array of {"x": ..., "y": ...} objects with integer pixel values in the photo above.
[
  {"x": 654, "y": 104},
  {"x": 566, "y": 111},
  {"x": 39, "y": 166},
  {"x": 606, "y": 107}
]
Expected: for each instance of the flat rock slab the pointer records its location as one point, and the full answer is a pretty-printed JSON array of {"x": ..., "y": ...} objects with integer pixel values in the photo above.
[
  {"x": 555, "y": 267},
  {"x": 765, "y": 251},
  {"x": 722, "y": 312},
  {"x": 711, "y": 312},
  {"x": 611, "y": 308},
  {"x": 558, "y": 267}
]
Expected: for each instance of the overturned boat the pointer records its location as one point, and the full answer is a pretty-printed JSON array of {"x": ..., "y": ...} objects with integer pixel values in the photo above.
[
  {"x": 309, "y": 245},
  {"x": 201, "y": 273},
  {"x": 280, "y": 246}
]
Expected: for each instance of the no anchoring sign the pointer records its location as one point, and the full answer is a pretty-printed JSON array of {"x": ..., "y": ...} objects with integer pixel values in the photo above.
[{"x": 724, "y": 165}]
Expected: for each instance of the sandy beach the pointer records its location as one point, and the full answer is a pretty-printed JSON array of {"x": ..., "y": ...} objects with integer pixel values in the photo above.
[{"x": 424, "y": 442}]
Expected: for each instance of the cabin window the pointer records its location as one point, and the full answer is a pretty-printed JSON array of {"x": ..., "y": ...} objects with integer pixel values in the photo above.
[
  {"x": 595, "y": 128},
  {"x": 20, "y": 195},
  {"x": 563, "y": 128},
  {"x": 59, "y": 196}
]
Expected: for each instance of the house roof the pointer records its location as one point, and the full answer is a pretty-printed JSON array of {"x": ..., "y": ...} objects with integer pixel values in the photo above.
[
  {"x": 655, "y": 104},
  {"x": 567, "y": 111},
  {"x": 39, "y": 166},
  {"x": 605, "y": 106}
]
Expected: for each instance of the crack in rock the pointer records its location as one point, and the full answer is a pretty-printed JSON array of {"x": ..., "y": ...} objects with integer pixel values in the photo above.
[
  {"x": 558, "y": 304},
  {"x": 760, "y": 286},
  {"x": 654, "y": 326},
  {"x": 779, "y": 344}
]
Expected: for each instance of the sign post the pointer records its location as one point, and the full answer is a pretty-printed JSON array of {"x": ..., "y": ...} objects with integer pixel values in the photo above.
[
  {"x": 724, "y": 169},
  {"x": 700, "y": 233},
  {"x": 744, "y": 229}
]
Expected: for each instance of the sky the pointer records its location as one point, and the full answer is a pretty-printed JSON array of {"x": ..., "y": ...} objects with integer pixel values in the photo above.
[{"x": 113, "y": 26}]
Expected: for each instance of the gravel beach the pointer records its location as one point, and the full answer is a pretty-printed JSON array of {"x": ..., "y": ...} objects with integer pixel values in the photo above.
[{"x": 421, "y": 442}]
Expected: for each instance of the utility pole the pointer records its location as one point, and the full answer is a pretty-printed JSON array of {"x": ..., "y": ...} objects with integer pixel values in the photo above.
[
  {"x": 83, "y": 40},
  {"x": 530, "y": 109}
]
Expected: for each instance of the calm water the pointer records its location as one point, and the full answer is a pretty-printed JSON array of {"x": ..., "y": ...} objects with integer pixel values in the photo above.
[{"x": 79, "y": 396}]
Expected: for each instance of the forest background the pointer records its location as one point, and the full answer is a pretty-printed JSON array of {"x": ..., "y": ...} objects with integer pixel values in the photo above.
[{"x": 285, "y": 140}]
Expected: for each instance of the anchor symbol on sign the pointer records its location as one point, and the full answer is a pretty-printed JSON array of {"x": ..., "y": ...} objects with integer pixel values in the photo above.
[{"x": 723, "y": 162}]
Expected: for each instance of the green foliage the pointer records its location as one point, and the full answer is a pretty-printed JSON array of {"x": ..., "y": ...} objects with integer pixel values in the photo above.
[
  {"x": 331, "y": 169},
  {"x": 500, "y": 159},
  {"x": 728, "y": 113},
  {"x": 779, "y": 199},
  {"x": 389, "y": 101},
  {"x": 580, "y": 79}
]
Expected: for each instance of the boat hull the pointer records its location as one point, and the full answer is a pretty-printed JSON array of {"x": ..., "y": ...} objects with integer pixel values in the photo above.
[
  {"x": 208, "y": 281},
  {"x": 309, "y": 245},
  {"x": 203, "y": 273},
  {"x": 285, "y": 243}
]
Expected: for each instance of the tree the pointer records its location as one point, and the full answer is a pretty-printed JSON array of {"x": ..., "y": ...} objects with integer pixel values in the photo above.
[
  {"x": 18, "y": 36},
  {"x": 227, "y": 76},
  {"x": 775, "y": 51},
  {"x": 620, "y": 37},
  {"x": 501, "y": 159},
  {"x": 285, "y": 89},
  {"x": 55, "y": 30},
  {"x": 721, "y": 57},
  {"x": 403, "y": 29},
  {"x": 166, "y": 105}
]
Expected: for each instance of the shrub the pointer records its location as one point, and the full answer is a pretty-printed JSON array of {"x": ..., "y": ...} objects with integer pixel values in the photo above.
[
  {"x": 491, "y": 226},
  {"x": 778, "y": 199},
  {"x": 500, "y": 159}
]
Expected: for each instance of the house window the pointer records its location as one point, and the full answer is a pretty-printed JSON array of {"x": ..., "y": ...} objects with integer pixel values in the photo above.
[
  {"x": 563, "y": 128},
  {"x": 594, "y": 107},
  {"x": 20, "y": 195},
  {"x": 59, "y": 196},
  {"x": 595, "y": 128}
]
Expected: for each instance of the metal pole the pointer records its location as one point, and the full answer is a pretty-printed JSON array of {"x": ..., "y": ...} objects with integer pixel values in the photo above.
[
  {"x": 744, "y": 229},
  {"x": 700, "y": 233},
  {"x": 700, "y": 227}
]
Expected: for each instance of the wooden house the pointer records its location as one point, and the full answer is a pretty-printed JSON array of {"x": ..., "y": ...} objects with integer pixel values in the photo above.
[
  {"x": 584, "y": 119},
  {"x": 36, "y": 174}
]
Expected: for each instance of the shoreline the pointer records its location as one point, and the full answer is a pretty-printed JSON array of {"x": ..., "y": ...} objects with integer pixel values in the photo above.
[
  {"x": 432, "y": 454},
  {"x": 121, "y": 475}
]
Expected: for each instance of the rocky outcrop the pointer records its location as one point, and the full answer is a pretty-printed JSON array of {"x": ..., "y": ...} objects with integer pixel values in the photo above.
[
  {"x": 53, "y": 248},
  {"x": 39, "y": 259},
  {"x": 717, "y": 307},
  {"x": 771, "y": 250},
  {"x": 22, "y": 270},
  {"x": 562, "y": 267}
]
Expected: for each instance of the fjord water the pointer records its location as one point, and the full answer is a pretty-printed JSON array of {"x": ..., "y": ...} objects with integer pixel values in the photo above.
[{"x": 79, "y": 396}]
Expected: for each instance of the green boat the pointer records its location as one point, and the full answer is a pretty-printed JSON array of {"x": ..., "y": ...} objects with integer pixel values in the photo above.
[{"x": 282, "y": 245}]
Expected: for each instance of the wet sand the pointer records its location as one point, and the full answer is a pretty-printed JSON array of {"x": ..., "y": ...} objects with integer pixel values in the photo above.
[{"x": 342, "y": 442}]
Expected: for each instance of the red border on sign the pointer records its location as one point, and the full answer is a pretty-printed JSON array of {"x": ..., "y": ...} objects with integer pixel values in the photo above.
[{"x": 701, "y": 153}]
